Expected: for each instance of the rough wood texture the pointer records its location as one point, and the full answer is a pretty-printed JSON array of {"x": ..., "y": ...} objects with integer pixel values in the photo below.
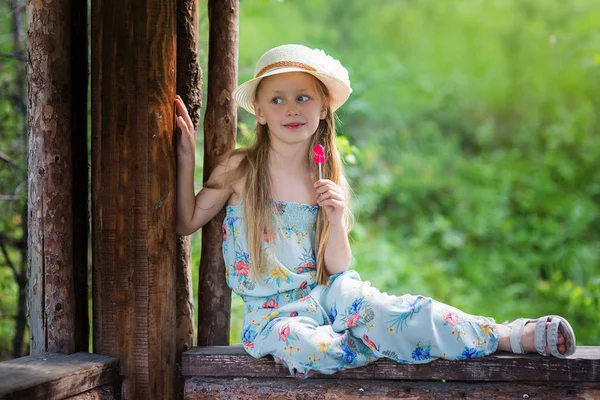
[
  {"x": 103, "y": 393},
  {"x": 56, "y": 376},
  {"x": 189, "y": 73},
  {"x": 330, "y": 389},
  {"x": 189, "y": 87},
  {"x": 133, "y": 191},
  {"x": 185, "y": 301},
  {"x": 56, "y": 112},
  {"x": 214, "y": 297},
  {"x": 184, "y": 308},
  {"x": 233, "y": 361}
]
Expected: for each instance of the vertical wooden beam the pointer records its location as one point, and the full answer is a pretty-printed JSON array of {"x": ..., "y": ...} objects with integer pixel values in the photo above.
[
  {"x": 214, "y": 297},
  {"x": 189, "y": 87},
  {"x": 133, "y": 191},
  {"x": 56, "y": 112}
]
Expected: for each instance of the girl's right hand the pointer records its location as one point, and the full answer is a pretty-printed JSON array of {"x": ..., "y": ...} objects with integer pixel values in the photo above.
[{"x": 186, "y": 140}]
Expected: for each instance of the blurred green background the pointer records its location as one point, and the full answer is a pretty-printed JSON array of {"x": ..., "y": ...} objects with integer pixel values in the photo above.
[
  {"x": 471, "y": 140},
  {"x": 474, "y": 146}
]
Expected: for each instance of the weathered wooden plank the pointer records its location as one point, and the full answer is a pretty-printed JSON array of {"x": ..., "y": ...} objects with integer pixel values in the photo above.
[
  {"x": 330, "y": 389},
  {"x": 101, "y": 393},
  {"x": 214, "y": 297},
  {"x": 160, "y": 247},
  {"x": 583, "y": 366},
  {"x": 133, "y": 191},
  {"x": 57, "y": 73},
  {"x": 56, "y": 376}
]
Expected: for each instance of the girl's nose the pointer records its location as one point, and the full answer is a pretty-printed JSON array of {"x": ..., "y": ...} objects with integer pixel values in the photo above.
[{"x": 293, "y": 109}]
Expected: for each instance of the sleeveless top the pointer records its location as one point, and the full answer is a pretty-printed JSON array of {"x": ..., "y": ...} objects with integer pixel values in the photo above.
[{"x": 290, "y": 271}]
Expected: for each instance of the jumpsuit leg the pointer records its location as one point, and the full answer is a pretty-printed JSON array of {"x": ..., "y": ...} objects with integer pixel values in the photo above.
[
  {"x": 407, "y": 329},
  {"x": 301, "y": 344}
]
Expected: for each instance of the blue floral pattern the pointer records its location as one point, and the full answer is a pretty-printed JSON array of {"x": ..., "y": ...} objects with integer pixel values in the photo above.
[{"x": 346, "y": 323}]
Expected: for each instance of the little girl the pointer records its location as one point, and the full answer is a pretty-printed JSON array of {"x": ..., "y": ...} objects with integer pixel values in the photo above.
[{"x": 285, "y": 239}]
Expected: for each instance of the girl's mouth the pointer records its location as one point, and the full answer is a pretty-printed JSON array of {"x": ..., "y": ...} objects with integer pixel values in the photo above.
[{"x": 294, "y": 125}]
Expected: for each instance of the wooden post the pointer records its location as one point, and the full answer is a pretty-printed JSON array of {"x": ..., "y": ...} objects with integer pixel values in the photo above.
[
  {"x": 214, "y": 297},
  {"x": 57, "y": 78},
  {"x": 189, "y": 87},
  {"x": 133, "y": 191}
]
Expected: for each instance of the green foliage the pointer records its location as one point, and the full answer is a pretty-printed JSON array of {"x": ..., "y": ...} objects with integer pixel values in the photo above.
[
  {"x": 471, "y": 141},
  {"x": 13, "y": 177},
  {"x": 476, "y": 179},
  {"x": 8, "y": 305},
  {"x": 485, "y": 168}
]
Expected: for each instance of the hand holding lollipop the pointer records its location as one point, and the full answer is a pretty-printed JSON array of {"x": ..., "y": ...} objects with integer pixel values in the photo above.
[
  {"x": 330, "y": 195},
  {"x": 319, "y": 158}
]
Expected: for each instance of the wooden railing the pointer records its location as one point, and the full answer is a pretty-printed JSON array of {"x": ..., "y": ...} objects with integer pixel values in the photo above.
[
  {"x": 224, "y": 372},
  {"x": 50, "y": 376},
  {"x": 221, "y": 372}
]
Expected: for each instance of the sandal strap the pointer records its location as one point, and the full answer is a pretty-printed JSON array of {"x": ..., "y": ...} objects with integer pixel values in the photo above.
[
  {"x": 553, "y": 337},
  {"x": 559, "y": 323},
  {"x": 516, "y": 331},
  {"x": 541, "y": 336},
  {"x": 544, "y": 335}
]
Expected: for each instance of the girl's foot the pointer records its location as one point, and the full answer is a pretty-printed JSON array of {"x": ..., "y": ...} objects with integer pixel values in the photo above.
[{"x": 546, "y": 335}]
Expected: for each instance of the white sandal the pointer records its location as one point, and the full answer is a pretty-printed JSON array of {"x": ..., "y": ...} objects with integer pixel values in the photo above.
[{"x": 545, "y": 335}]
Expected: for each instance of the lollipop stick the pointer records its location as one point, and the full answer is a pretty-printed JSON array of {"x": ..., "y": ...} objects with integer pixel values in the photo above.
[{"x": 319, "y": 158}]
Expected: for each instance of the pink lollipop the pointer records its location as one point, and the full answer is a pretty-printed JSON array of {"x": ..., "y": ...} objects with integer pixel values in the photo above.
[{"x": 319, "y": 157}]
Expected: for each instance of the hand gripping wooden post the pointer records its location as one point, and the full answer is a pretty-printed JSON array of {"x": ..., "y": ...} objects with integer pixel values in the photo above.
[{"x": 189, "y": 87}]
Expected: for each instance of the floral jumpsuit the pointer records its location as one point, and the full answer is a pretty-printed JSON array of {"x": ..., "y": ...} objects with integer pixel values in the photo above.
[{"x": 346, "y": 323}]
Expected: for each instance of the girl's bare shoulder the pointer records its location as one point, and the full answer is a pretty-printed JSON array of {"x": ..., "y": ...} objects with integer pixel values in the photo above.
[{"x": 231, "y": 167}]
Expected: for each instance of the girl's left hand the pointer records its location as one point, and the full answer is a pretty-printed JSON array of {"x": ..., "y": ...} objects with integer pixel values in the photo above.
[{"x": 331, "y": 197}]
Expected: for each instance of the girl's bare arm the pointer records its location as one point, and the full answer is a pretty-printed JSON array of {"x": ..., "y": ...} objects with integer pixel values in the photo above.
[{"x": 194, "y": 211}]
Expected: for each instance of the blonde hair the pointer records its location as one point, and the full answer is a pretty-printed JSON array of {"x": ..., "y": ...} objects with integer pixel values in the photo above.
[{"x": 259, "y": 210}]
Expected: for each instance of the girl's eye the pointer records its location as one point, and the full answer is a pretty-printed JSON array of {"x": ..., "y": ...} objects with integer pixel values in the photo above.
[
  {"x": 303, "y": 98},
  {"x": 277, "y": 100}
]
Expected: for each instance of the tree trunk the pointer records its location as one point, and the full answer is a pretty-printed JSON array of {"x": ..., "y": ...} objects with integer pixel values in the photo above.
[
  {"x": 133, "y": 191},
  {"x": 52, "y": 113},
  {"x": 189, "y": 87},
  {"x": 219, "y": 137}
]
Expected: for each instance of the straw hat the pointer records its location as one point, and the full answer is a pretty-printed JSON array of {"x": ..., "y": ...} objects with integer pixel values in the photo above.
[{"x": 297, "y": 58}]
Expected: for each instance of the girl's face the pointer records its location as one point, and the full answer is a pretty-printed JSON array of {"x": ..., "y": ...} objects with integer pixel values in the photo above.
[{"x": 290, "y": 105}]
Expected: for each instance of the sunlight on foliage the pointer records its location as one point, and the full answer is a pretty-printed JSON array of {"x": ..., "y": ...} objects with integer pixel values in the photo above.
[{"x": 472, "y": 145}]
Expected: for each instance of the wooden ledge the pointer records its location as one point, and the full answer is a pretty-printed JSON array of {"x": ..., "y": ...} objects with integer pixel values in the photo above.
[
  {"x": 202, "y": 388},
  {"x": 233, "y": 361},
  {"x": 56, "y": 376}
]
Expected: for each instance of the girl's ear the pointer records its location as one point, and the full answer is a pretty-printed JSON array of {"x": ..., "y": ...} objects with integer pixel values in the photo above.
[
  {"x": 259, "y": 115},
  {"x": 323, "y": 112}
]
